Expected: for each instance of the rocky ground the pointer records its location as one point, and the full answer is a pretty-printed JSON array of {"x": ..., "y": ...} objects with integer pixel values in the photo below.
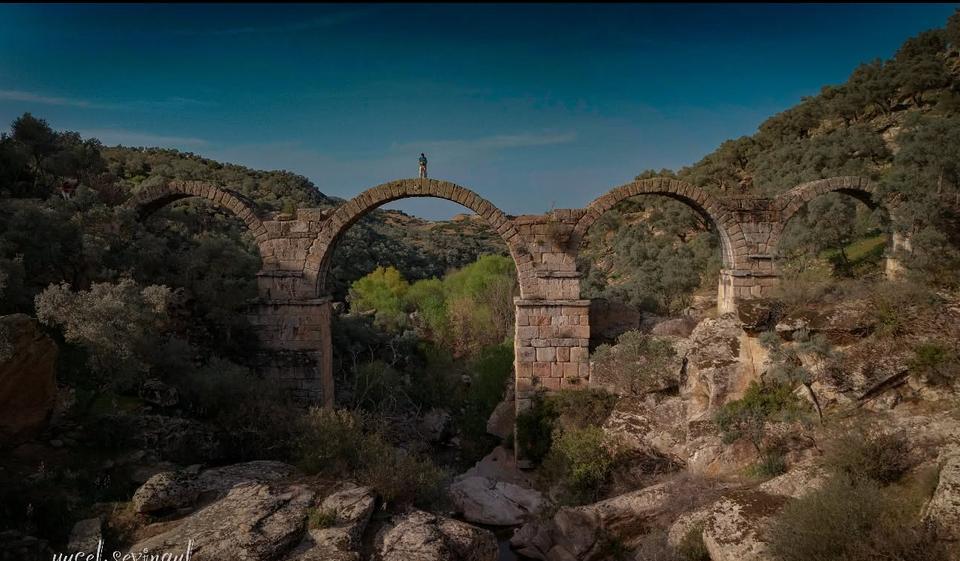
[{"x": 270, "y": 511}]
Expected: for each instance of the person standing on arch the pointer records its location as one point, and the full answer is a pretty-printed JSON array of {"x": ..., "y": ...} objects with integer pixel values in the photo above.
[{"x": 423, "y": 166}]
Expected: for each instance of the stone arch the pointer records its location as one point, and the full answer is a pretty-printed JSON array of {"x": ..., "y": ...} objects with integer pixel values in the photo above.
[
  {"x": 861, "y": 189},
  {"x": 339, "y": 221},
  {"x": 727, "y": 226},
  {"x": 152, "y": 199}
]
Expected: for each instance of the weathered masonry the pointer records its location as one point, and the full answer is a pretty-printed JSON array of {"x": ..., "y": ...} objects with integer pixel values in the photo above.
[{"x": 293, "y": 312}]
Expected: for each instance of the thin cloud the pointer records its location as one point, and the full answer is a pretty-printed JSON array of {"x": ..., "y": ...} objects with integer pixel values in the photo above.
[
  {"x": 111, "y": 137},
  {"x": 324, "y": 22},
  {"x": 30, "y": 97},
  {"x": 175, "y": 102}
]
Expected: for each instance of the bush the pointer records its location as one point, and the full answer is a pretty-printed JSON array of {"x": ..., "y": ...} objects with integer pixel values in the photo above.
[
  {"x": 116, "y": 323},
  {"x": 321, "y": 518},
  {"x": 563, "y": 410},
  {"x": 691, "y": 547},
  {"x": 637, "y": 364},
  {"x": 256, "y": 415},
  {"x": 581, "y": 460},
  {"x": 772, "y": 463},
  {"x": 936, "y": 363},
  {"x": 535, "y": 429},
  {"x": 747, "y": 417},
  {"x": 339, "y": 443},
  {"x": 852, "y": 521},
  {"x": 864, "y": 455}
]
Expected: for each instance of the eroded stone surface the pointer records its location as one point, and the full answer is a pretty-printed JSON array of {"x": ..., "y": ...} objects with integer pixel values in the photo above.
[
  {"x": 253, "y": 521},
  {"x": 736, "y": 528},
  {"x": 179, "y": 489},
  {"x": 944, "y": 508},
  {"x": 499, "y": 503},
  {"x": 421, "y": 536}
]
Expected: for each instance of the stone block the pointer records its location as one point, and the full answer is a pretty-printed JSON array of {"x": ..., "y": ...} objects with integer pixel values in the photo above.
[{"x": 547, "y": 354}]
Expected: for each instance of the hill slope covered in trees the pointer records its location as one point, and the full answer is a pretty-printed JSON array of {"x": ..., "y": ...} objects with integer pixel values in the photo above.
[{"x": 895, "y": 121}]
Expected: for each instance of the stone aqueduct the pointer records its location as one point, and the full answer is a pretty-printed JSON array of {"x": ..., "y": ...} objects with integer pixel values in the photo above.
[{"x": 293, "y": 313}]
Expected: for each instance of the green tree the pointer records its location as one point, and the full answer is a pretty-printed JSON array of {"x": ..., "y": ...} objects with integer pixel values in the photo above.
[
  {"x": 119, "y": 325},
  {"x": 382, "y": 292}
]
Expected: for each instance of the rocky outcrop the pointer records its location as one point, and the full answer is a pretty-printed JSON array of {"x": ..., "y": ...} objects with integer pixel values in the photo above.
[
  {"x": 578, "y": 533},
  {"x": 721, "y": 361},
  {"x": 494, "y": 491},
  {"x": 85, "y": 536},
  {"x": 499, "y": 465},
  {"x": 943, "y": 510},
  {"x": 802, "y": 479},
  {"x": 652, "y": 425},
  {"x": 253, "y": 521},
  {"x": 503, "y": 417},
  {"x": 498, "y": 503},
  {"x": 168, "y": 490},
  {"x": 421, "y": 536},
  {"x": 28, "y": 387},
  {"x": 842, "y": 324},
  {"x": 736, "y": 527},
  {"x": 350, "y": 507}
]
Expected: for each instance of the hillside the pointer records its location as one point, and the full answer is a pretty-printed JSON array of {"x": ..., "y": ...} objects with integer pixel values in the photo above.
[{"x": 895, "y": 121}]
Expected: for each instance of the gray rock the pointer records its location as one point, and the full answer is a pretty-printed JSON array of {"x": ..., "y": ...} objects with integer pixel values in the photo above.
[
  {"x": 421, "y": 536},
  {"x": 943, "y": 510},
  {"x": 577, "y": 533},
  {"x": 253, "y": 521},
  {"x": 487, "y": 501},
  {"x": 352, "y": 506},
  {"x": 85, "y": 536},
  {"x": 501, "y": 421},
  {"x": 737, "y": 525},
  {"x": 166, "y": 490},
  {"x": 802, "y": 478},
  {"x": 180, "y": 489},
  {"x": 650, "y": 425}
]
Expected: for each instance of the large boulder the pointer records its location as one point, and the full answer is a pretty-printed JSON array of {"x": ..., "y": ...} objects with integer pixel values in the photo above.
[
  {"x": 803, "y": 478},
  {"x": 579, "y": 533},
  {"x": 167, "y": 490},
  {"x": 721, "y": 361},
  {"x": 28, "y": 387},
  {"x": 498, "y": 503},
  {"x": 499, "y": 465},
  {"x": 253, "y": 521},
  {"x": 652, "y": 425},
  {"x": 421, "y": 536},
  {"x": 504, "y": 416},
  {"x": 736, "y": 527},
  {"x": 85, "y": 536},
  {"x": 350, "y": 507}
]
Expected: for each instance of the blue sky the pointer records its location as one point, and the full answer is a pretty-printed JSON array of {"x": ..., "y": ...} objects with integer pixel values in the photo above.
[{"x": 533, "y": 106}]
